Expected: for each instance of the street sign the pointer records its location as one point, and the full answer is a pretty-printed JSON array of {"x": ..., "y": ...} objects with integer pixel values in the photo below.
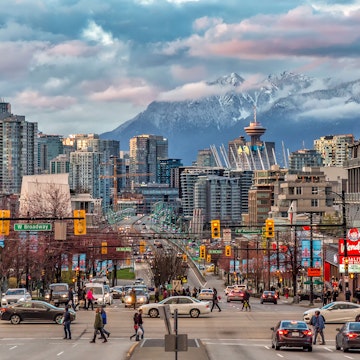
[
  {"x": 128, "y": 249},
  {"x": 32, "y": 227},
  {"x": 249, "y": 231},
  {"x": 314, "y": 272},
  {"x": 213, "y": 251}
]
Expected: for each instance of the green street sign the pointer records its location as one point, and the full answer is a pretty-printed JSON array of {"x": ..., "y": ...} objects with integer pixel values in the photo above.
[
  {"x": 247, "y": 231},
  {"x": 128, "y": 249},
  {"x": 212, "y": 251},
  {"x": 32, "y": 227}
]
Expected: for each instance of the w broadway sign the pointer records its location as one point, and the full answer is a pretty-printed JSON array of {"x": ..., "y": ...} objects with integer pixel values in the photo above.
[{"x": 32, "y": 227}]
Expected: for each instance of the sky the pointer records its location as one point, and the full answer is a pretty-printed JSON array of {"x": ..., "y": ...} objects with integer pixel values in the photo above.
[{"x": 87, "y": 66}]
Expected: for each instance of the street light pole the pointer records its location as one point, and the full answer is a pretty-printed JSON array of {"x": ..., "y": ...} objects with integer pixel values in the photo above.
[
  {"x": 344, "y": 224},
  {"x": 311, "y": 260}
]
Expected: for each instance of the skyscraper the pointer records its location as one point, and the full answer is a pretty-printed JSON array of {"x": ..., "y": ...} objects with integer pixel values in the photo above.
[
  {"x": 145, "y": 154},
  {"x": 18, "y": 150}
]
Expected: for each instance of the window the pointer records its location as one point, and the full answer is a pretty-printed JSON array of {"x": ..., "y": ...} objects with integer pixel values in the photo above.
[
  {"x": 314, "y": 203},
  {"x": 314, "y": 190},
  {"x": 298, "y": 190}
]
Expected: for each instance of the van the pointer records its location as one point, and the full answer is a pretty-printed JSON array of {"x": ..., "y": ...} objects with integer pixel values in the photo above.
[{"x": 98, "y": 293}]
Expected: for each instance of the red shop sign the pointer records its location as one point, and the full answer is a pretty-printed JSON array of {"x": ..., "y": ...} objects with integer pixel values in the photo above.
[{"x": 353, "y": 247}]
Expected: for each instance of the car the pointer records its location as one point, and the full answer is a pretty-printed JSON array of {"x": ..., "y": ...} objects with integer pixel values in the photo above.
[
  {"x": 348, "y": 336},
  {"x": 98, "y": 291},
  {"x": 108, "y": 295},
  {"x": 12, "y": 296},
  {"x": 235, "y": 295},
  {"x": 291, "y": 333},
  {"x": 58, "y": 294},
  {"x": 269, "y": 296},
  {"x": 206, "y": 294},
  {"x": 228, "y": 289},
  {"x": 117, "y": 292},
  {"x": 34, "y": 310},
  {"x": 142, "y": 297},
  {"x": 335, "y": 312},
  {"x": 185, "y": 305}
]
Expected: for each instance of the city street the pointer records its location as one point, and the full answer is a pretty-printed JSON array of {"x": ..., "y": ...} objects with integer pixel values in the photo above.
[{"x": 227, "y": 334}]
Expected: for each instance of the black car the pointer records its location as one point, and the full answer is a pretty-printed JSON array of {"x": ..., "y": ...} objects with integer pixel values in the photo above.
[
  {"x": 269, "y": 296},
  {"x": 348, "y": 336},
  {"x": 34, "y": 310},
  {"x": 291, "y": 333}
]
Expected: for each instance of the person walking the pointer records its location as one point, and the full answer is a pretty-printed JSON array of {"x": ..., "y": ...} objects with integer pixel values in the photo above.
[
  {"x": 133, "y": 297},
  {"x": 66, "y": 323},
  {"x": 71, "y": 298},
  {"x": 215, "y": 300},
  {"x": 246, "y": 301},
  {"x": 347, "y": 295},
  {"x": 104, "y": 320},
  {"x": 157, "y": 295},
  {"x": 317, "y": 321},
  {"x": 89, "y": 299},
  {"x": 141, "y": 323},
  {"x": 98, "y": 326},
  {"x": 136, "y": 325}
]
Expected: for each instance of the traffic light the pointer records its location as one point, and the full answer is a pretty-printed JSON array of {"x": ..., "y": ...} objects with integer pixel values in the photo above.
[
  {"x": 142, "y": 246},
  {"x": 215, "y": 229},
  {"x": 352, "y": 276},
  {"x": 104, "y": 247},
  {"x": 202, "y": 252},
  {"x": 228, "y": 250},
  {"x": 208, "y": 258},
  {"x": 184, "y": 257},
  {"x": 346, "y": 264},
  {"x": 269, "y": 228},
  {"x": 77, "y": 271},
  {"x": 4, "y": 224},
  {"x": 80, "y": 222}
]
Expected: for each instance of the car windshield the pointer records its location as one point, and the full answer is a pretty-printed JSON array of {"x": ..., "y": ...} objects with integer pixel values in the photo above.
[
  {"x": 97, "y": 290},
  {"x": 57, "y": 288},
  {"x": 15, "y": 292},
  {"x": 327, "y": 306},
  {"x": 354, "y": 326}
]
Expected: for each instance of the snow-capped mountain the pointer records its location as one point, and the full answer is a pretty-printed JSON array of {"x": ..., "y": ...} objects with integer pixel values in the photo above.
[{"x": 295, "y": 109}]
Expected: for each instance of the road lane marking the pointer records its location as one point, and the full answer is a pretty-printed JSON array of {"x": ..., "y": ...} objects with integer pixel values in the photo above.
[
  {"x": 13, "y": 347},
  {"x": 60, "y": 353},
  {"x": 348, "y": 357},
  {"x": 279, "y": 355}
]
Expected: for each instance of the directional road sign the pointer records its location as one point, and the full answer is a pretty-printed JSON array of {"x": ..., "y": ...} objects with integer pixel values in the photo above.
[
  {"x": 32, "y": 227},
  {"x": 249, "y": 231}
]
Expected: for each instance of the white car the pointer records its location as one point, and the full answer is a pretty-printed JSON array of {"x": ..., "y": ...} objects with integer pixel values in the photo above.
[
  {"x": 12, "y": 296},
  {"x": 206, "y": 294},
  {"x": 185, "y": 305},
  {"x": 335, "y": 312}
]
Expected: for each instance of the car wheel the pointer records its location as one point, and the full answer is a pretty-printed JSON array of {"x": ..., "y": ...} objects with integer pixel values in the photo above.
[
  {"x": 357, "y": 318},
  {"x": 275, "y": 302},
  {"x": 345, "y": 349},
  {"x": 337, "y": 347},
  {"x": 309, "y": 348},
  {"x": 153, "y": 313},
  {"x": 58, "y": 319},
  {"x": 261, "y": 302},
  {"x": 15, "y": 319},
  {"x": 194, "y": 313},
  {"x": 277, "y": 347}
]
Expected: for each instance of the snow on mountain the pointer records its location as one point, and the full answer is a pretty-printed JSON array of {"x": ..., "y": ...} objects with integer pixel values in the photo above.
[{"x": 293, "y": 107}]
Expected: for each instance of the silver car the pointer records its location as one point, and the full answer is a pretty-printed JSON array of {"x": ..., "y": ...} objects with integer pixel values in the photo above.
[{"x": 12, "y": 296}]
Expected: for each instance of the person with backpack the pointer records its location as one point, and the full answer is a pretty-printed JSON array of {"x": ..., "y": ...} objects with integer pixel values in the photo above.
[
  {"x": 318, "y": 322},
  {"x": 136, "y": 325}
]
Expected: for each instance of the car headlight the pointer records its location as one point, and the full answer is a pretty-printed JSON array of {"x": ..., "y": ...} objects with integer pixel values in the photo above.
[{"x": 64, "y": 296}]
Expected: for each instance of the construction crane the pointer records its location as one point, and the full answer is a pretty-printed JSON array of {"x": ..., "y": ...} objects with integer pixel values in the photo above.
[{"x": 115, "y": 178}]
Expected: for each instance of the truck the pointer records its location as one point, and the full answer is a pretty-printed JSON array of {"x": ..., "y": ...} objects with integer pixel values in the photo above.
[{"x": 58, "y": 294}]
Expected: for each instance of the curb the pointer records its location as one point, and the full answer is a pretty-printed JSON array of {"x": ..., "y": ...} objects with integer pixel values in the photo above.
[{"x": 131, "y": 351}]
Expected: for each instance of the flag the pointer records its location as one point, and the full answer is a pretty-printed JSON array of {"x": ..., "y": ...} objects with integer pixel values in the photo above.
[{"x": 292, "y": 212}]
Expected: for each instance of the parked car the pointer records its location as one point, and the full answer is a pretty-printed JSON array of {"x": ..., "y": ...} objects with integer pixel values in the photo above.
[
  {"x": 269, "y": 296},
  {"x": 34, "y": 310},
  {"x": 206, "y": 294},
  {"x": 185, "y": 305},
  {"x": 58, "y": 294},
  {"x": 348, "y": 336},
  {"x": 12, "y": 296},
  {"x": 291, "y": 333},
  {"x": 335, "y": 312},
  {"x": 235, "y": 295}
]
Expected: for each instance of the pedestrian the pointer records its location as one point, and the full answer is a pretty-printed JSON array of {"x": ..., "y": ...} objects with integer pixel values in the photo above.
[
  {"x": 165, "y": 294},
  {"x": 141, "y": 324},
  {"x": 157, "y": 295},
  {"x": 195, "y": 292},
  {"x": 246, "y": 301},
  {"x": 98, "y": 326},
  {"x": 66, "y": 323},
  {"x": 335, "y": 294},
  {"x": 133, "y": 298},
  {"x": 347, "y": 295},
  {"x": 286, "y": 293},
  {"x": 324, "y": 296},
  {"x": 89, "y": 299},
  {"x": 357, "y": 295},
  {"x": 71, "y": 298},
  {"x": 136, "y": 324},
  {"x": 215, "y": 300},
  {"x": 317, "y": 321},
  {"x": 104, "y": 320}
]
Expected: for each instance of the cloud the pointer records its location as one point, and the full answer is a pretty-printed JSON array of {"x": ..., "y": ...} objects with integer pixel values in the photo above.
[{"x": 96, "y": 33}]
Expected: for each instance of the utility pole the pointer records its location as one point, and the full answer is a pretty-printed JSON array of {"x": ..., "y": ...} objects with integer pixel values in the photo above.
[
  {"x": 344, "y": 224},
  {"x": 311, "y": 260}
]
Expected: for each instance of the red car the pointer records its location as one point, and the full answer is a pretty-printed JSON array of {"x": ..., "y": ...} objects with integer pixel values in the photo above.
[{"x": 235, "y": 295}]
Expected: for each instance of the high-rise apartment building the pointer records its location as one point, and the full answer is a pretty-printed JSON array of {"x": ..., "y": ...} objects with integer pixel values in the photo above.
[
  {"x": 50, "y": 146},
  {"x": 60, "y": 164},
  {"x": 165, "y": 171},
  {"x": 305, "y": 158},
  {"x": 18, "y": 150},
  {"x": 334, "y": 149},
  {"x": 205, "y": 157},
  {"x": 145, "y": 154}
]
